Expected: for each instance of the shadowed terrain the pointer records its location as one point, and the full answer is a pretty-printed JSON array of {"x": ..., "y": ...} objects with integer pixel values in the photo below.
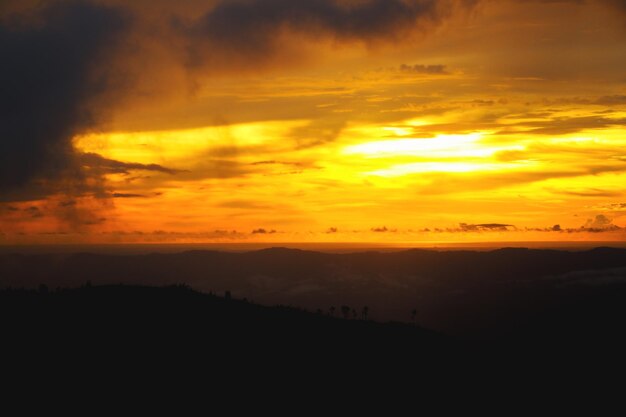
[
  {"x": 506, "y": 315},
  {"x": 499, "y": 295},
  {"x": 176, "y": 327}
]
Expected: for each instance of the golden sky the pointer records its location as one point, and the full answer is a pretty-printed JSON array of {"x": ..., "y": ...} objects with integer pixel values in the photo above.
[{"x": 396, "y": 121}]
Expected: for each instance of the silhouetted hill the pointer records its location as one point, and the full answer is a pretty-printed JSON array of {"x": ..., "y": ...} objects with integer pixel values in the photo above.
[
  {"x": 479, "y": 295},
  {"x": 176, "y": 325}
]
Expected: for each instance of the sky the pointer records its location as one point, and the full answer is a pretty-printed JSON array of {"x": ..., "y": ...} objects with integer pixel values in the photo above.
[{"x": 387, "y": 121}]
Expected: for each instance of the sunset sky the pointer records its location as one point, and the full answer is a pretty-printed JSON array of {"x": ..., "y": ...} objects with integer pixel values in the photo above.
[{"x": 391, "y": 121}]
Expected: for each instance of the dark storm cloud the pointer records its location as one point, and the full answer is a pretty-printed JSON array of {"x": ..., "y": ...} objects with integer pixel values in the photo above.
[
  {"x": 51, "y": 73},
  {"x": 62, "y": 72},
  {"x": 252, "y": 27}
]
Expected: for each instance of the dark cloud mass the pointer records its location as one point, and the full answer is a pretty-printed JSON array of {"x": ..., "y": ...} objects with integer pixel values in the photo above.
[
  {"x": 61, "y": 76},
  {"x": 49, "y": 83},
  {"x": 252, "y": 28}
]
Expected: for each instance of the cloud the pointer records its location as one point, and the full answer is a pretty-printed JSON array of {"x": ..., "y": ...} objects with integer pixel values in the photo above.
[
  {"x": 64, "y": 73},
  {"x": 263, "y": 232},
  {"x": 599, "y": 277},
  {"x": 564, "y": 125},
  {"x": 34, "y": 212},
  {"x": 383, "y": 229},
  {"x": 615, "y": 206},
  {"x": 318, "y": 132},
  {"x": 591, "y": 192},
  {"x": 66, "y": 215},
  {"x": 111, "y": 166},
  {"x": 272, "y": 162},
  {"x": 599, "y": 222},
  {"x": 614, "y": 100},
  {"x": 424, "y": 69},
  {"x": 441, "y": 183},
  {"x": 52, "y": 82},
  {"x": 125, "y": 195},
  {"x": 485, "y": 227},
  {"x": 251, "y": 31},
  {"x": 246, "y": 205}
]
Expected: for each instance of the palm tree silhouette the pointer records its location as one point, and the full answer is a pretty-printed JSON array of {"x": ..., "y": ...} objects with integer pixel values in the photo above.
[
  {"x": 364, "y": 313},
  {"x": 345, "y": 310}
]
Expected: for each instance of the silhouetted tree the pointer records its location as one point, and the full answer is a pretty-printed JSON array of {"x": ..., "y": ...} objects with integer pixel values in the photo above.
[
  {"x": 332, "y": 311},
  {"x": 414, "y": 315},
  {"x": 364, "y": 313},
  {"x": 345, "y": 310},
  {"x": 354, "y": 315},
  {"x": 227, "y": 295}
]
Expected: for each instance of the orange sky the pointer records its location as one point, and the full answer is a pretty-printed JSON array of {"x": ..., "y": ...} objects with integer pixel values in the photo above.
[{"x": 489, "y": 121}]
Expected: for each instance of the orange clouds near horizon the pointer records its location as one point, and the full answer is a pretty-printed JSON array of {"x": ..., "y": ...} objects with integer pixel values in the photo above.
[{"x": 392, "y": 122}]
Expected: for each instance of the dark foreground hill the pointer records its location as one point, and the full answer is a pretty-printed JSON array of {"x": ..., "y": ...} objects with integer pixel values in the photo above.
[
  {"x": 115, "y": 332},
  {"x": 176, "y": 321}
]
